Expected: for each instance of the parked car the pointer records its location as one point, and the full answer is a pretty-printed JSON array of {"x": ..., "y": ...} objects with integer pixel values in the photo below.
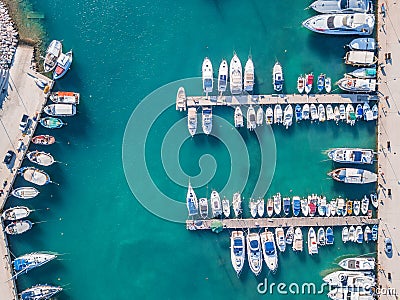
[
  {"x": 9, "y": 157},
  {"x": 23, "y": 125},
  {"x": 388, "y": 246}
]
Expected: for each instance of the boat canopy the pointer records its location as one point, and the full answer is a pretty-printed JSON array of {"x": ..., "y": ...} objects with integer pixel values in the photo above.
[
  {"x": 20, "y": 264},
  {"x": 361, "y": 57},
  {"x": 269, "y": 248},
  {"x": 254, "y": 244}
]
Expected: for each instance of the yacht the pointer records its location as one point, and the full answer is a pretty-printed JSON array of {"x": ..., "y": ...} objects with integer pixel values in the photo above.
[
  {"x": 260, "y": 116},
  {"x": 25, "y": 192},
  {"x": 206, "y": 117},
  {"x": 368, "y": 114},
  {"x": 191, "y": 201},
  {"x": 298, "y": 240},
  {"x": 312, "y": 242},
  {"x": 289, "y": 235},
  {"x": 333, "y": 207},
  {"x": 40, "y": 292},
  {"x": 278, "y": 114},
  {"x": 367, "y": 234},
  {"x": 342, "y": 112},
  {"x": 60, "y": 110},
  {"x": 321, "y": 113},
  {"x": 277, "y": 77},
  {"x": 207, "y": 75},
  {"x": 340, "y": 6},
  {"x": 352, "y": 155},
  {"x": 64, "y": 62},
  {"x": 375, "y": 112},
  {"x": 301, "y": 83},
  {"x": 269, "y": 250},
  {"x": 357, "y": 85},
  {"x": 363, "y": 44},
  {"x": 238, "y": 251},
  {"x": 356, "y": 207},
  {"x": 329, "y": 113},
  {"x": 223, "y": 76},
  {"x": 375, "y": 232},
  {"x": 306, "y": 112},
  {"x": 336, "y": 111},
  {"x": 251, "y": 118},
  {"x": 27, "y": 262},
  {"x": 254, "y": 253},
  {"x": 352, "y": 175},
  {"x": 280, "y": 239},
  {"x": 237, "y": 204},
  {"x": 203, "y": 208},
  {"x": 238, "y": 117},
  {"x": 360, "y": 58},
  {"x": 350, "y": 115},
  {"x": 352, "y": 234},
  {"x": 181, "y": 99},
  {"x": 346, "y": 278},
  {"x": 269, "y": 116},
  {"x": 322, "y": 206},
  {"x": 235, "y": 75},
  {"x": 313, "y": 112},
  {"x": 288, "y": 116},
  {"x": 253, "y": 205},
  {"x": 215, "y": 201},
  {"x": 358, "y": 263},
  {"x": 192, "y": 120},
  {"x": 374, "y": 200},
  {"x": 346, "y": 293},
  {"x": 321, "y": 236},
  {"x": 277, "y": 203},
  {"x": 35, "y": 176},
  {"x": 248, "y": 80},
  {"x": 226, "y": 208},
  {"x": 53, "y": 51},
  {"x": 16, "y": 213},
  {"x": 359, "y": 235}
]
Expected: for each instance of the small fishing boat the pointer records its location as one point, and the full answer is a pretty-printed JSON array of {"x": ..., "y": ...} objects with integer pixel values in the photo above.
[
  {"x": 367, "y": 234},
  {"x": 352, "y": 234},
  {"x": 235, "y": 75},
  {"x": 248, "y": 80},
  {"x": 374, "y": 200},
  {"x": 216, "y": 207},
  {"x": 330, "y": 238},
  {"x": 350, "y": 115},
  {"x": 269, "y": 250},
  {"x": 18, "y": 227},
  {"x": 40, "y": 158},
  {"x": 312, "y": 242},
  {"x": 73, "y": 98},
  {"x": 277, "y": 203},
  {"x": 269, "y": 116},
  {"x": 60, "y": 110},
  {"x": 253, "y": 205},
  {"x": 180, "y": 103},
  {"x": 360, "y": 58},
  {"x": 321, "y": 82},
  {"x": 260, "y": 207},
  {"x": 64, "y": 62},
  {"x": 43, "y": 140},
  {"x": 270, "y": 207},
  {"x": 321, "y": 113},
  {"x": 364, "y": 73},
  {"x": 254, "y": 253},
  {"x": 286, "y": 205},
  {"x": 16, "y": 213},
  {"x": 277, "y": 77},
  {"x": 238, "y": 251},
  {"x": 328, "y": 84},
  {"x": 251, "y": 118},
  {"x": 304, "y": 207},
  {"x": 339, "y": 6},
  {"x": 375, "y": 112},
  {"x": 260, "y": 116},
  {"x": 329, "y": 113},
  {"x": 27, "y": 262},
  {"x": 289, "y": 235},
  {"x": 192, "y": 120},
  {"x": 278, "y": 114},
  {"x": 237, "y": 204},
  {"x": 364, "y": 44},
  {"x": 223, "y": 72},
  {"x": 27, "y": 192},
  {"x": 191, "y": 201},
  {"x": 368, "y": 114},
  {"x": 301, "y": 83},
  {"x": 356, "y": 207},
  {"x": 306, "y": 112},
  {"x": 359, "y": 235},
  {"x": 342, "y": 111},
  {"x": 349, "y": 207},
  {"x": 321, "y": 236},
  {"x": 357, "y": 85},
  {"x": 53, "y": 52},
  {"x": 226, "y": 209},
  {"x": 345, "y": 234},
  {"x": 352, "y": 155},
  {"x": 51, "y": 123},
  {"x": 203, "y": 208},
  {"x": 207, "y": 75},
  {"x": 238, "y": 117},
  {"x": 40, "y": 292},
  {"x": 298, "y": 240},
  {"x": 375, "y": 233},
  {"x": 299, "y": 113},
  {"x": 364, "y": 205},
  {"x": 280, "y": 239},
  {"x": 358, "y": 263},
  {"x": 296, "y": 205},
  {"x": 288, "y": 116},
  {"x": 34, "y": 175},
  {"x": 352, "y": 175},
  {"x": 309, "y": 83},
  {"x": 336, "y": 112},
  {"x": 206, "y": 120}
]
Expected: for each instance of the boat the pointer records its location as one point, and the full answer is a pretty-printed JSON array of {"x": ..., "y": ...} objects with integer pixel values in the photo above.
[
  {"x": 226, "y": 209},
  {"x": 352, "y": 234},
  {"x": 260, "y": 116},
  {"x": 53, "y": 52},
  {"x": 301, "y": 83},
  {"x": 237, "y": 204},
  {"x": 16, "y": 213},
  {"x": 253, "y": 205},
  {"x": 270, "y": 207},
  {"x": 374, "y": 200},
  {"x": 280, "y": 239},
  {"x": 191, "y": 201},
  {"x": 328, "y": 84},
  {"x": 289, "y": 235},
  {"x": 368, "y": 114},
  {"x": 306, "y": 112},
  {"x": 349, "y": 207},
  {"x": 238, "y": 251},
  {"x": 363, "y": 44},
  {"x": 27, "y": 262},
  {"x": 364, "y": 205},
  {"x": 43, "y": 139},
  {"x": 375, "y": 233},
  {"x": 341, "y": 24},
  {"x": 341, "y": 207},
  {"x": 207, "y": 75},
  {"x": 41, "y": 83},
  {"x": 288, "y": 116},
  {"x": 18, "y": 227},
  {"x": 359, "y": 111},
  {"x": 352, "y": 175},
  {"x": 51, "y": 123},
  {"x": 235, "y": 75},
  {"x": 180, "y": 99},
  {"x": 260, "y": 207},
  {"x": 215, "y": 201},
  {"x": 321, "y": 113},
  {"x": 352, "y": 155},
  {"x": 364, "y": 73},
  {"x": 321, "y": 236},
  {"x": 344, "y": 293},
  {"x": 375, "y": 112},
  {"x": 359, "y": 235},
  {"x": 203, "y": 208},
  {"x": 269, "y": 116},
  {"x": 304, "y": 207},
  {"x": 356, "y": 207},
  {"x": 350, "y": 115},
  {"x": 26, "y": 192},
  {"x": 296, "y": 205},
  {"x": 251, "y": 118},
  {"x": 238, "y": 117},
  {"x": 312, "y": 242},
  {"x": 64, "y": 62},
  {"x": 34, "y": 175},
  {"x": 299, "y": 113},
  {"x": 40, "y": 158},
  {"x": 277, "y": 203},
  {"x": 73, "y": 98},
  {"x": 357, "y": 85},
  {"x": 206, "y": 120},
  {"x": 309, "y": 83},
  {"x": 248, "y": 80},
  {"x": 313, "y": 112},
  {"x": 330, "y": 238},
  {"x": 339, "y": 6},
  {"x": 223, "y": 72},
  {"x": 345, "y": 234},
  {"x": 322, "y": 206},
  {"x": 358, "y": 263},
  {"x": 328, "y": 210},
  {"x": 344, "y": 278},
  {"x": 360, "y": 58},
  {"x": 329, "y": 113},
  {"x": 254, "y": 253},
  {"x": 286, "y": 205},
  {"x": 278, "y": 114},
  {"x": 40, "y": 292},
  {"x": 321, "y": 82},
  {"x": 312, "y": 205},
  {"x": 298, "y": 240},
  {"x": 336, "y": 112},
  {"x": 277, "y": 77},
  {"x": 342, "y": 111},
  {"x": 192, "y": 120},
  {"x": 269, "y": 250},
  {"x": 333, "y": 207},
  {"x": 367, "y": 234}
]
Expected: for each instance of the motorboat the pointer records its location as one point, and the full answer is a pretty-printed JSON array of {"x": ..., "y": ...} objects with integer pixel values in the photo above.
[
  {"x": 191, "y": 201},
  {"x": 321, "y": 236},
  {"x": 330, "y": 238},
  {"x": 269, "y": 250},
  {"x": 181, "y": 99},
  {"x": 298, "y": 240},
  {"x": 345, "y": 293},
  {"x": 40, "y": 292},
  {"x": 363, "y": 44},
  {"x": 321, "y": 82},
  {"x": 223, "y": 73},
  {"x": 74, "y": 98},
  {"x": 360, "y": 58},
  {"x": 342, "y": 112},
  {"x": 359, "y": 111},
  {"x": 344, "y": 278},
  {"x": 18, "y": 227},
  {"x": 368, "y": 114},
  {"x": 301, "y": 83},
  {"x": 341, "y": 24},
  {"x": 64, "y": 62},
  {"x": 280, "y": 239},
  {"x": 352, "y": 175},
  {"x": 235, "y": 75},
  {"x": 278, "y": 114},
  {"x": 312, "y": 242},
  {"x": 328, "y": 84},
  {"x": 269, "y": 116},
  {"x": 260, "y": 207},
  {"x": 53, "y": 52},
  {"x": 238, "y": 117},
  {"x": 299, "y": 112},
  {"x": 16, "y": 213},
  {"x": 352, "y": 234},
  {"x": 375, "y": 112},
  {"x": 203, "y": 208},
  {"x": 40, "y": 158},
  {"x": 367, "y": 234},
  {"x": 328, "y": 210},
  {"x": 254, "y": 256},
  {"x": 375, "y": 232},
  {"x": 277, "y": 203},
  {"x": 349, "y": 207},
  {"x": 321, "y": 113},
  {"x": 277, "y": 77},
  {"x": 286, "y": 205},
  {"x": 364, "y": 73},
  {"x": 237, "y": 204},
  {"x": 304, "y": 207},
  {"x": 296, "y": 205},
  {"x": 248, "y": 80},
  {"x": 313, "y": 112},
  {"x": 207, "y": 75},
  {"x": 270, "y": 207},
  {"x": 341, "y": 207},
  {"x": 253, "y": 205},
  {"x": 251, "y": 118},
  {"x": 289, "y": 235},
  {"x": 26, "y": 192},
  {"x": 305, "y": 112},
  {"x": 329, "y": 113},
  {"x": 309, "y": 83},
  {"x": 41, "y": 83},
  {"x": 27, "y": 262},
  {"x": 333, "y": 207},
  {"x": 226, "y": 208},
  {"x": 336, "y": 112},
  {"x": 374, "y": 200},
  {"x": 312, "y": 205},
  {"x": 43, "y": 140},
  {"x": 356, "y": 207},
  {"x": 358, "y": 263},
  {"x": 340, "y": 6},
  {"x": 322, "y": 206},
  {"x": 192, "y": 120},
  {"x": 238, "y": 251},
  {"x": 288, "y": 116},
  {"x": 359, "y": 235},
  {"x": 352, "y": 155},
  {"x": 357, "y": 85},
  {"x": 260, "y": 116},
  {"x": 206, "y": 120},
  {"x": 350, "y": 115},
  {"x": 345, "y": 234},
  {"x": 35, "y": 176},
  {"x": 215, "y": 201},
  {"x": 51, "y": 122},
  {"x": 364, "y": 205}
]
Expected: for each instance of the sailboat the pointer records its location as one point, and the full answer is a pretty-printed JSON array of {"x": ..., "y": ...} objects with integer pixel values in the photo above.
[
  {"x": 237, "y": 204},
  {"x": 235, "y": 75},
  {"x": 223, "y": 76},
  {"x": 191, "y": 201},
  {"x": 40, "y": 292},
  {"x": 27, "y": 262},
  {"x": 277, "y": 77},
  {"x": 207, "y": 75},
  {"x": 269, "y": 250},
  {"x": 248, "y": 80},
  {"x": 238, "y": 251},
  {"x": 254, "y": 256},
  {"x": 215, "y": 201}
]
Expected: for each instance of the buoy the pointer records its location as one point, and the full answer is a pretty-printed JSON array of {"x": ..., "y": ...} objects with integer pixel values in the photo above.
[{"x": 46, "y": 89}]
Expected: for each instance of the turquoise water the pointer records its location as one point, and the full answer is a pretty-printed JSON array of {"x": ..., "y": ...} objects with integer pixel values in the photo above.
[{"x": 112, "y": 247}]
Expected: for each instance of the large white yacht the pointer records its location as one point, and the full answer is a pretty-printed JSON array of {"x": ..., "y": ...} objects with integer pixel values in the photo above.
[
  {"x": 207, "y": 75},
  {"x": 207, "y": 120},
  {"x": 235, "y": 75},
  {"x": 192, "y": 120},
  {"x": 341, "y": 6},
  {"x": 248, "y": 80},
  {"x": 238, "y": 251},
  {"x": 223, "y": 76}
]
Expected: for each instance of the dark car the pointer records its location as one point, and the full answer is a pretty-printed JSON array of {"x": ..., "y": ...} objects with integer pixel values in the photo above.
[
  {"x": 9, "y": 157},
  {"x": 388, "y": 246},
  {"x": 23, "y": 125}
]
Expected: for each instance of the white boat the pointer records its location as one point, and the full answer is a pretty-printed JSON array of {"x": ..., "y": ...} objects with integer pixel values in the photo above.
[
  {"x": 364, "y": 44},
  {"x": 278, "y": 114},
  {"x": 237, "y": 204},
  {"x": 289, "y": 235},
  {"x": 260, "y": 207},
  {"x": 321, "y": 82},
  {"x": 206, "y": 120},
  {"x": 207, "y": 75},
  {"x": 340, "y": 6},
  {"x": 352, "y": 175},
  {"x": 313, "y": 112},
  {"x": 288, "y": 116},
  {"x": 64, "y": 62},
  {"x": 40, "y": 158},
  {"x": 306, "y": 112},
  {"x": 329, "y": 237},
  {"x": 269, "y": 116},
  {"x": 215, "y": 201},
  {"x": 191, "y": 201},
  {"x": 226, "y": 208},
  {"x": 328, "y": 84},
  {"x": 181, "y": 99},
  {"x": 336, "y": 113},
  {"x": 360, "y": 58},
  {"x": 312, "y": 205},
  {"x": 270, "y": 207},
  {"x": 27, "y": 192},
  {"x": 374, "y": 200},
  {"x": 312, "y": 242},
  {"x": 298, "y": 112},
  {"x": 52, "y": 53},
  {"x": 346, "y": 278},
  {"x": 35, "y": 176},
  {"x": 238, "y": 251},
  {"x": 304, "y": 207},
  {"x": 358, "y": 263},
  {"x": 60, "y": 110},
  {"x": 223, "y": 73},
  {"x": 321, "y": 236},
  {"x": 301, "y": 83},
  {"x": 27, "y": 262},
  {"x": 367, "y": 234},
  {"x": 342, "y": 111},
  {"x": 260, "y": 116},
  {"x": 309, "y": 83},
  {"x": 74, "y": 98},
  {"x": 359, "y": 235},
  {"x": 357, "y": 85},
  {"x": 375, "y": 112},
  {"x": 298, "y": 240},
  {"x": 235, "y": 75},
  {"x": 328, "y": 210},
  {"x": 345, "y": 234},
  {"x": 346, "y": 293},
  {"x": 350, "y": 115},
  {"x": 254, "y": 253},
  {"x": 16, "y": 213},
  {"x": 341, "y": 24},
  {"x": 39, "y": 82},
  {"x": 341, "y": 211},
  {"x": 40, "y": 292},
  {"x": 238, "y": 117},
  {"x": 364, "y": 73},
  {"x": 203, "y": 208},
  {"x": 286, "y": 205},
  {"x": 253, "y": 205},
  {"x": 277, "y": 203},
  {"x": 280, "y": 239},
  {"x": 375, "y": 233},
  {"x": 277, "y": 77},
  {"x": 364, "y": 205},
  {"x": 352, "y": 234},
  {"x": 333, "y": 207},
  {"x": 18, "y": 227},
  {"x": 356, "y": 207},
  {"x": 296, "y": 205},
  {"x": 352, "y": 155},
  {"x": 368, "y": 114},
  {"x": 321, "y": 113},
  {"x": 269, "y": 250},
  {"x": 192, "y": 120},
  {"x": 329, "y": 113},
  {"x": 322, "y": 206},
  {"x": 248, "y": 80},
  {"x": 251, "y": 118}
]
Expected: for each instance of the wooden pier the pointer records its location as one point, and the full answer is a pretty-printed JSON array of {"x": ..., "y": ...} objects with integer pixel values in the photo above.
[{"x": 282, "y": 222}]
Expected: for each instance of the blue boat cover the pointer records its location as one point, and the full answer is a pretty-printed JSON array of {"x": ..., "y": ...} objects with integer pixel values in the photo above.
[
  {"x": 254, "y": 244},
  {"x": 207, "y": 82},
  {"x": 19, "y": 264},
  {"x": 237, "y": 242},
  {"x": 329, "y": 236},
  {"x": 269, "y": 248},
  {"x": 357, "y": 156},
  {"x": 191, "y": 207}
]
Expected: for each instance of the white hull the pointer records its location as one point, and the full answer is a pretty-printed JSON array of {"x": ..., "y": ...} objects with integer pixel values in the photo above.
[
  {"x": 277, "y": 77},
  {"x": 207, "y": 75},
  {"x": 206, "y": 120},
  {"x": 248, "y": 80},
  {"x": 223, "y": 76},
  {"x": 192, "y": 120},
  {"x": 235, "y": 75}
]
